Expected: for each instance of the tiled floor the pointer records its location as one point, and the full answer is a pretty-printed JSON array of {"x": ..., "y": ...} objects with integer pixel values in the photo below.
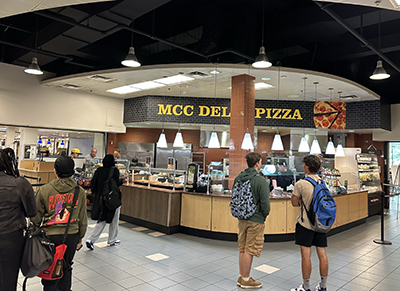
[{"x": 147, "y": 260}]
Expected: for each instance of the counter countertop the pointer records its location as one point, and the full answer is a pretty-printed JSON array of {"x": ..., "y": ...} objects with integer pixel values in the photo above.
[{"x": 159, "y": 189}]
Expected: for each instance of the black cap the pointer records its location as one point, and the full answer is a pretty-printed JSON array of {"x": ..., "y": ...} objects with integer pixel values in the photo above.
[
  {"x": 64, "y": 166},
  {"x": 282, "y": 163},
  {"x": 134, "y": 160}
]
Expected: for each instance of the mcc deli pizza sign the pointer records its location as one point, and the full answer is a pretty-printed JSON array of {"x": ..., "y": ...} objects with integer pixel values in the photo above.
[{"x": 325, "y": 114}]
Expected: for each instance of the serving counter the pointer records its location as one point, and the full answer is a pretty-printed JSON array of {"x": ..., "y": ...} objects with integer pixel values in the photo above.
[
  {"x": 155, "y": 208},
  {"x": 209, "y": 216}
]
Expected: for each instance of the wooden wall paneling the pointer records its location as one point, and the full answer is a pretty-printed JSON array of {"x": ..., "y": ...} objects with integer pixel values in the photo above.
[
  {"x": 196, "y": 211},
  {"x": 276, "y": 220},
  {"x": 175, "y": 209},
  {"x": 342, "y": 211},
  {"x": 353, "y": 207},
  {"x": 363, "y": 204},
  {"x": 222, "y": 219},
  {"x": 291, "y": 216}
]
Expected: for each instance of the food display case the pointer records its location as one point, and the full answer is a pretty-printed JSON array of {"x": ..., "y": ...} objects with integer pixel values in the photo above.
[
  {"x": 156, "y": 177},
  {"x": 91, "y": 165},
  {"x": 369, "y": 172}
]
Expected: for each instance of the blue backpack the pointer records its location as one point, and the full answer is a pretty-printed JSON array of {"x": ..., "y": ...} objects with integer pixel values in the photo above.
[
  {"x": 242, "y": 204},
  {"x": 322, "y": 211}
]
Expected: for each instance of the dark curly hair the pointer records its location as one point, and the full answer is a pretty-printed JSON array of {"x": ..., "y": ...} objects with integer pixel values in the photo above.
[
  {"x": 8, "y": 163},
  {"x": 313, "y": 163}
]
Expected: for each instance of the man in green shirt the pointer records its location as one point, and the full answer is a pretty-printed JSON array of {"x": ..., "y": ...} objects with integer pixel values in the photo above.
[{"x": 251, "y": 231}]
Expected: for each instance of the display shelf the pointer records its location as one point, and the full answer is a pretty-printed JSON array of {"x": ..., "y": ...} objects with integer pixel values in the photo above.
[{"x": 368, "y": 172}]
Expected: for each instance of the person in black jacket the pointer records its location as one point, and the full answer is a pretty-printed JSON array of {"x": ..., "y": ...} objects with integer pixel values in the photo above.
[
  {"x": 99, "y": 211},
  {"x": 17, "y": 201}
]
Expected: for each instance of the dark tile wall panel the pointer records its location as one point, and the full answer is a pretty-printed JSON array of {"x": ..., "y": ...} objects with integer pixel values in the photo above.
[{"x": 359, "y": 115}]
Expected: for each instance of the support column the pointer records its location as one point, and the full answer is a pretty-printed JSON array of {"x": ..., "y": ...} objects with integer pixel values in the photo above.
[
  {"x": 10, "y": 132},
  {"x": 241, "y": 119}
]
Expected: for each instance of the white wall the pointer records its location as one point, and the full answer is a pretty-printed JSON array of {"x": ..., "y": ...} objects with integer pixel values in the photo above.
[
  {"x": 24, "y": 102},
  {"x": 394, "y": 134}
]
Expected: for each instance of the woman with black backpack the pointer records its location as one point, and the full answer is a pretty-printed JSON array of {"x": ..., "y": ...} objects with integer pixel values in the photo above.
[
  {"x": 100, "y": 212},
  {"x": 17, "y": 201}
]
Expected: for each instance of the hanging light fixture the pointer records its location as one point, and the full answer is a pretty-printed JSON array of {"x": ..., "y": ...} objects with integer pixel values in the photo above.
[
  {"x": 339, "y": 151},
  {"x": 48, "y": 142},
  {"x": 33, "y": 68},
  {"x": 315, "y": 148},
  {"x": 277, "y": 144},
  {"x": 162, "y": 140},
  {"x": 214, "y": 141},
  {"x": 330, "y": 148},
  {"x": 178, "y": 142},
  {"x": 262, "y": 61},
  {"x": 303, "y": 146},
  {"x": 379, "y": 73},
  {"x": 62, "y": 143},
  {"x": 131, "y": 59},
  {"x": 40, "y": 140}
]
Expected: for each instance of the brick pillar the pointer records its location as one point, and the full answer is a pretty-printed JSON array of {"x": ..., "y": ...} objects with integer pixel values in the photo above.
[{"x": 242, "y": 117}]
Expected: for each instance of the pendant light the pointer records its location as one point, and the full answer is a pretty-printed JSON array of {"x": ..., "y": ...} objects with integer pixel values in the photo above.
[
  {"x": 315, "y": 148},
  {"x": 262, "y": 61},
  {"x": 339, "y": 151},
  {"x": 62, "y": 143},
  {"x": 330, "y": 148},
  {"x": 48, "y": 142},
  {"x": 131, "y": 59},
  {"x": 303, "y": 146},
  {"x": 34, "y": 68},
  {"x": 277, "y": 144},
  {"x": 162, "y": 140},
  {"x": 214, "y": 141},
  {"x": 379, "y": 73},
  {"x": 178, "y": 142},
  {"x": 40, "y": 141}
]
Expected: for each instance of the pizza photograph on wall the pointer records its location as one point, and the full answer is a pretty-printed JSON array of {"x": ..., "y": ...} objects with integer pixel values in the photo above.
[{"x": 330, "y": 115}]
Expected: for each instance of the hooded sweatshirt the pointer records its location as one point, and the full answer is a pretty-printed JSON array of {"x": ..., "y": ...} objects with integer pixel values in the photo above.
[
  {"x": 54, "y": 203},
  {"x": 260, "y": 191}
]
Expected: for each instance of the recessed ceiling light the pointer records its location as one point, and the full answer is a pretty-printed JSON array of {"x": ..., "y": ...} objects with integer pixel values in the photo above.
[
  {"x": 395, "y": 3},
  {"x": 265, "y": 79},
  {"x": 215, "y": 72},
  {"x": 292, "y": 96},
  {"x": 262, "y": 86},
  {"x": 147, "y": 85},
  {"x": 123, "y": 90},
  {"x": 173, "y": 80}
]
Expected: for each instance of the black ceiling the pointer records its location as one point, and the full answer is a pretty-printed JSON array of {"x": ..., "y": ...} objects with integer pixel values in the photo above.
[{"x": 297, "y": 33}]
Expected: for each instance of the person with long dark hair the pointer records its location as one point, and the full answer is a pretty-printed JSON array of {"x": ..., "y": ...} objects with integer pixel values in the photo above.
[
  {"x": 17, "y": 201},
  {"x": 99, "y": 212}
]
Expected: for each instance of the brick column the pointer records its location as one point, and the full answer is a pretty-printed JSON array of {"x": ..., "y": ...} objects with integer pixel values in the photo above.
[{"x": 242, "y": 117}]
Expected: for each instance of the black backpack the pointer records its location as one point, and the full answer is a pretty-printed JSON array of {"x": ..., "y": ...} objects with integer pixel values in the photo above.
[
  {"x": 242, "y": 204},
  {"x": 111, "y": 195}
]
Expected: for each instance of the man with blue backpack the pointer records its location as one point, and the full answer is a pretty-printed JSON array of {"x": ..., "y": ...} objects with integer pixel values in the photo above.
[
  {"x": 250, "y": 205},
  {"x": 317, "y": 214}
]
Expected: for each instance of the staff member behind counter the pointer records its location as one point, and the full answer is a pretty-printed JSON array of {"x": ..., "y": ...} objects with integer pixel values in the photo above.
[{"x": 283, "y": 178}]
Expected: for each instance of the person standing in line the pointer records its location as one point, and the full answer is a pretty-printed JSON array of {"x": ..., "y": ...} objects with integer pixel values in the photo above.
[
  {"x": 251, "y": 231},
  {"x": 304, "y": 236},
  {"x": 17, "y": 201},
  {"x": 99, "y": 212},
  {"x": 54, "y": 202}
]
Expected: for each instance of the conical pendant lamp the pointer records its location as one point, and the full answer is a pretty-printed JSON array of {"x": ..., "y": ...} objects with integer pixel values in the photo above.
[
  {"x": 277, "y": 144},
  {"x": 315, "y": 148},
  {"x": 339, "y": 151},
  {"x": 247, "y": 143},
  {"x": 131, "y": 59},
  {"x": 330, "y": 148},
  {"x": 178, "y": 142},
  {"x": 262, "y": 61},
  {"x": 379, "y": 73},
  {"x": 214, "y": 141},
  {"x": 33, "y": 68},
  {"x": 303, "y": 146},
  {"x": 162, "y": 141}
]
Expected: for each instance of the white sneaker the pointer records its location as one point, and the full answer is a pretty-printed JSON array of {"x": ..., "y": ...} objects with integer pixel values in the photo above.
[
  {"x": 300, "y": 288},
  {"x": 318, "y": 288}
]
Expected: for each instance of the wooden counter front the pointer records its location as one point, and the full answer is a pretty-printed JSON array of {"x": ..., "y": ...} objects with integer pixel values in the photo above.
[
  {"x": 212, "y": 213},
  {"x": 156, "y": 208}
]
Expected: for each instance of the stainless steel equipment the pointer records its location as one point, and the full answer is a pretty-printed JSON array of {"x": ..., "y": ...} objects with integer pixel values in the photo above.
[
  {"x": 182, "y": 156},
  {"x": 131, "y": 150}
]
